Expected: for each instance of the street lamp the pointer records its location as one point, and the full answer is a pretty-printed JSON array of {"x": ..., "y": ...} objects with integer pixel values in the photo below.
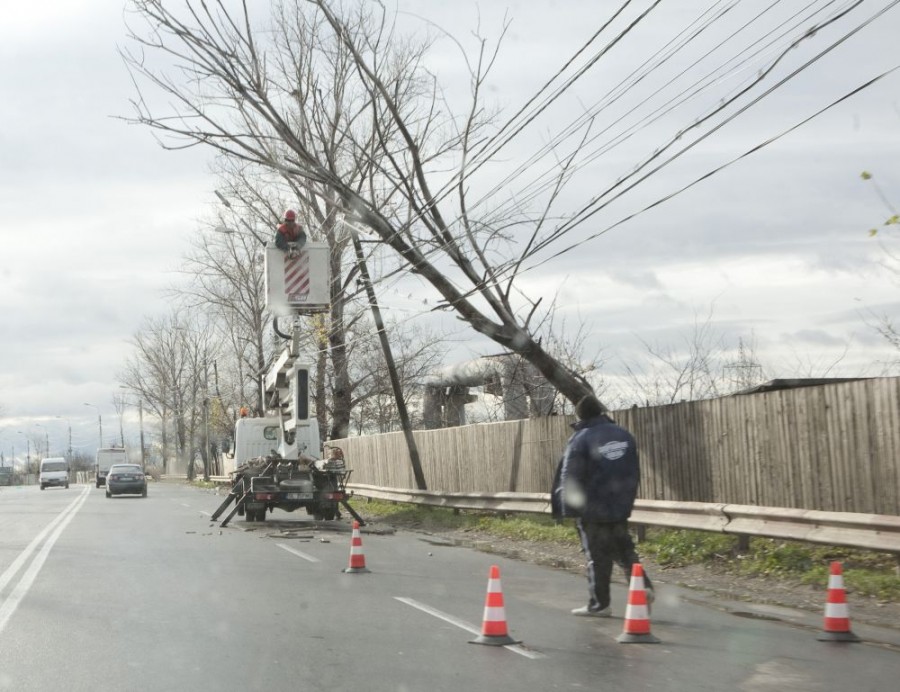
[{"x": 99, "y": 422}]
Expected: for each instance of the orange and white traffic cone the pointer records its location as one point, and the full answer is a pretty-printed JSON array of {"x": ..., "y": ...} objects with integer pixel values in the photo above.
[
  {"x": 837, "y": 617},
  {"x": 637, "y": 612},
  {"x": 493, "y": 628},
  {"x": 357, "y": 558}
]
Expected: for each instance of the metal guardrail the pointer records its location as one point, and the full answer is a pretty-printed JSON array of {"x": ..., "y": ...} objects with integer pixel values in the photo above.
[{"x": 869, "y": 531}]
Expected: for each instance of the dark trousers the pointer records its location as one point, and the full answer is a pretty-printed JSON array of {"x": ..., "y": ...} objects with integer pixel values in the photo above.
[{"x": 605, "y": 543}]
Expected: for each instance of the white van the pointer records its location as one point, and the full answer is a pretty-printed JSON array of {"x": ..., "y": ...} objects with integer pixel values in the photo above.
[{"x": 54, "y": 471}]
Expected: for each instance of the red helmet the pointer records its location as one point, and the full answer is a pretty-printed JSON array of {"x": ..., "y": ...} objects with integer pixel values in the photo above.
[{"x": 290, "y": 215}]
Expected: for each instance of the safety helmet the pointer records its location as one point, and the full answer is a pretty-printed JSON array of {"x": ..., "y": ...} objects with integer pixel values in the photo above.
[{"x": 290, "y": 215}]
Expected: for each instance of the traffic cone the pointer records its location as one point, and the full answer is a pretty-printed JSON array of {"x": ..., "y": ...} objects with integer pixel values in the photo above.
[
  {"x": 493, "y": 628},
  {"x": 357, "y": 559},
  {"x": 637, "y": 612},
  {"x": 837, "y": 617}
]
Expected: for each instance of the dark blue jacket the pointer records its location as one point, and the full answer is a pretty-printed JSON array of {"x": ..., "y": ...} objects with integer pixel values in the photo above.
[{"x": 598, "y": 476}]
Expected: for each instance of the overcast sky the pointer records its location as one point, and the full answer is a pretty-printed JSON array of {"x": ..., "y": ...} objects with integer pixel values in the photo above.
[{"x": 95, "y": 216}]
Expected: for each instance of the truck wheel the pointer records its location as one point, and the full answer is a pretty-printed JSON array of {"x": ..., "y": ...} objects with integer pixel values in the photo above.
[
  {"x": 42, "y": 486},
  {"x": 144, "y": 492},
  {"x": 108, "y": 494}
]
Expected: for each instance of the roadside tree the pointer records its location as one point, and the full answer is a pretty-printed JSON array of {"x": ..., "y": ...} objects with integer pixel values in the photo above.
[{"x": 419, "y": 192}]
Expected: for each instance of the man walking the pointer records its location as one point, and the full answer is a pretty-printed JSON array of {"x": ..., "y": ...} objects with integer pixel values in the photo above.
[{"x": 596, "y": 482}]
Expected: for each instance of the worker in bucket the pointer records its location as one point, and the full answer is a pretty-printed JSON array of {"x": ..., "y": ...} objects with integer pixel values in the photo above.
[
  {"x": 289, "y": 236},
  {"x": 596, "y": 482}
]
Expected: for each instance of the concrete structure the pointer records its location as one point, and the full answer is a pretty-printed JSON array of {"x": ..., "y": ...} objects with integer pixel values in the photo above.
[{"x": 524, "y": 391}]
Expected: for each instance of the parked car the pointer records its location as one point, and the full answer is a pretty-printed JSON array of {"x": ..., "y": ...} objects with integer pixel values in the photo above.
[{"x": 125, "y": 478}]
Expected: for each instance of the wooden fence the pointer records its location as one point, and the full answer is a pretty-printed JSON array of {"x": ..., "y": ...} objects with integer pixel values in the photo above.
[{"x": 832, "y": 447}]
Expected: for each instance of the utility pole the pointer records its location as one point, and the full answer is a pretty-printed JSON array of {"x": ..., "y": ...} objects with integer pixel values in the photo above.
[
  {"x": 141, "y": 419},
  {"x": 27, "y": 452},
  {"x": 46, "y": 440},
  {"x": 99, "y": 423},
  {"x": 391, "y": 366},
  {"x": 205, "y": 416},
  {"x": 69, "y": 423}
]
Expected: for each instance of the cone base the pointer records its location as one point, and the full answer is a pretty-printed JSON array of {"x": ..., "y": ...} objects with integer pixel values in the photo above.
[
  {"x": 355, "y": 570},
  {"x": 626, "y": 638},
  {"x": 837, "y": 637},
  {"x": 494, "y": 640}
]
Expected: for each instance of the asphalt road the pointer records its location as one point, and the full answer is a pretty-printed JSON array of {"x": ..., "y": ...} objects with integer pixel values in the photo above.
[{"x": 149, "y": 594}]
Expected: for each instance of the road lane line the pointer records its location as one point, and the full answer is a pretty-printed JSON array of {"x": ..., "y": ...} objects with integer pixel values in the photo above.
[
  {"x": 298, "y": 553},
  {"x": 23, "y": 556},
  {"x": 209, "y": 514},
  {"x": 462, "y": 624},
  {"x": 9, "y": 606},
  {"x": 184, "y": 505}
]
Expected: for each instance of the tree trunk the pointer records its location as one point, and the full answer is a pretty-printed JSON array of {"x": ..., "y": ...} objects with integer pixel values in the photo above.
[{"x": 342, "y": 393}]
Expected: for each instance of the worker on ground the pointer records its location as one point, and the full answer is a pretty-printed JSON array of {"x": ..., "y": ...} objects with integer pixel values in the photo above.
[
  {"x": 596, "y": 482},
  {"x": 290, "y": 232}
]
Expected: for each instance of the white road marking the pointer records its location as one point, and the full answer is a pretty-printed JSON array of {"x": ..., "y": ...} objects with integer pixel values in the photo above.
[
  {"x": 9, "y": 606},
  {"x": 23, "y": 556},
  {"x": 209, "y": 514},
  {"x": 298, "y": 553},
  {"x": 464, "y": 625},
  {"x": 185, "y": 505}
]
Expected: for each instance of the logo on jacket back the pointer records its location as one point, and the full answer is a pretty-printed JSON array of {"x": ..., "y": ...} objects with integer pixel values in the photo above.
[{"x": 614, "y": 450}]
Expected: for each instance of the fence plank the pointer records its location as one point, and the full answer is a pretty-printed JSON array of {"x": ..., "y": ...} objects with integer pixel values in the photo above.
[{"x": 833, "y": 447}]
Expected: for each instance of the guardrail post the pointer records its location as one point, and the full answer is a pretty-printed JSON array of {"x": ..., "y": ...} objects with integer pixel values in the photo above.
[
  {"x": 743, "y": 544},
  {"x": 641, "y": 531}
]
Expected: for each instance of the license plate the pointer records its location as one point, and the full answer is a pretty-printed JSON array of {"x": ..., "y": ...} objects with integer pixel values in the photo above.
[{"x": 299, "y": 496}]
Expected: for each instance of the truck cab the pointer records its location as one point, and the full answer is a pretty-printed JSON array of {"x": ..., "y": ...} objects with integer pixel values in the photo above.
[{"x": 292, "y": 435}]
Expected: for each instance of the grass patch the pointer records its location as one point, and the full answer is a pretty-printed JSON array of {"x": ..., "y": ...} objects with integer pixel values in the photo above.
[
  {"x": 528, "y": 527},
  {"x": 200, "y": 483},
  {"x": 682, "y": 548},
  {"x": 866, "y": 573}
]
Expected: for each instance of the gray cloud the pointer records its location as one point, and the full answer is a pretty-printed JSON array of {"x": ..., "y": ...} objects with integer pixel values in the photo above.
[{"x": 94, "y": 215}]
